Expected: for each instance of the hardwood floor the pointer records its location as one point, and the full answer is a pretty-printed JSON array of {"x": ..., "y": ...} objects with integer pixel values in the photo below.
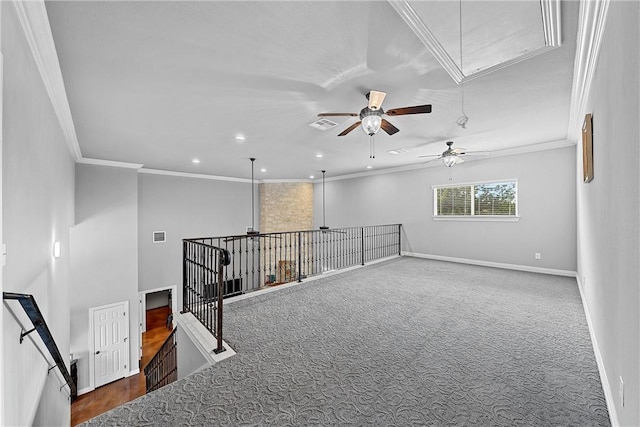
[{"x": 124, "y": 390}]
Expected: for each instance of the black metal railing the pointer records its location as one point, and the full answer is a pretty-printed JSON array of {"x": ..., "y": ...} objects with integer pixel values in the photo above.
[
  {"x": 203, "y": 284},
  {"x": 162, "y": 369},
  {"x": 260, "y": 260},
  {"x": 30, "y": 307}
]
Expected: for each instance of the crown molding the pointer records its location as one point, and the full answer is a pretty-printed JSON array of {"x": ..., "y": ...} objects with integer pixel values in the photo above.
[
  {"x": 111, "y": 163},
  {"x": 551, "y": 25},
  {"x": 551, "y": 22},
  {"x": 591, "y": 24},
  {"x": 35, "y": 25},
  {"x": 524, "y": 149},
  {"x": 285, "y": 181},
  {"x": 415, "y": 23},
  {"x": 195, "y": 175}
]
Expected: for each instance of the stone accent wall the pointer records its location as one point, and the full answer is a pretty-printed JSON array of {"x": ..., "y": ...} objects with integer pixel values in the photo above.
[{"x": 286, "y": 206}]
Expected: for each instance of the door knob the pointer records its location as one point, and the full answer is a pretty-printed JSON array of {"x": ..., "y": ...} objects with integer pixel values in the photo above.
[{"x": 98, "y": 352}]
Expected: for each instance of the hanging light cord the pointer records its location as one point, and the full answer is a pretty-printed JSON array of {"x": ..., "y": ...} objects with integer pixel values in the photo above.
[
  {"x": 253, "y": 228},
  {"x": 463, "y": 119}
]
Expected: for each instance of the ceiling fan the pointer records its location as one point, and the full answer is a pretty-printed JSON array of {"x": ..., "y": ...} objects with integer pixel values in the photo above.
[
  {"x": 453, "y": 156},
  {"x": 371, "y": 115}
]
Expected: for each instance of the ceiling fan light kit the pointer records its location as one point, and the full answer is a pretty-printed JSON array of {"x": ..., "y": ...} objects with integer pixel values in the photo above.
[{"x": 370, "y": 120}]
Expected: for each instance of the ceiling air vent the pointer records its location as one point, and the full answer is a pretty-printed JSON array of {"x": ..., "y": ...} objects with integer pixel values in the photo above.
[
  {"x": 159, "y": 236},
  {"x": 323, "y": 124}
]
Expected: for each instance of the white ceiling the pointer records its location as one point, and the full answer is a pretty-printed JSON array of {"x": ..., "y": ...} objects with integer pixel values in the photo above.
[{"x": 159, "y": 83}]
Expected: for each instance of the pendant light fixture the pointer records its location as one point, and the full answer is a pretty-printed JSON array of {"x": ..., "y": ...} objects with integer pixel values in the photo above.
[
  {"x": 253, "y": 230},
  {"x": 323, "y": 226}
]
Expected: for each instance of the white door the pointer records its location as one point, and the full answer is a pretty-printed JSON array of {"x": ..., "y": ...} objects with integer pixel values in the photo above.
[{"x": 110, "y": 344}]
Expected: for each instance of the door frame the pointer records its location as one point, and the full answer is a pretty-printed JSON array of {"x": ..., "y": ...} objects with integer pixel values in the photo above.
[
  {"x": 142, "y": 298},
  {"x": 92, "y": 368}
]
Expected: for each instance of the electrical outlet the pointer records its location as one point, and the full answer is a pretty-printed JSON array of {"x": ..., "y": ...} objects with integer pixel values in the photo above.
[
  {"x": 621, "y": 392},
  {"x": 538, "y": 256}
]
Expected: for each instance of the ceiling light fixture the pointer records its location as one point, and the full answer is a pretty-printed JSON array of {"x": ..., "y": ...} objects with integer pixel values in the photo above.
[
  {"x": 239, "y": 137},
  {"x": 311, "y": 177},
  {"x": 263, "y": 170},
  {"x": 195, "y": 161},
  {"x": 369, "y": 167},
  {"x": 319, "y": 155},
  {"x": 371, "y": 121}
]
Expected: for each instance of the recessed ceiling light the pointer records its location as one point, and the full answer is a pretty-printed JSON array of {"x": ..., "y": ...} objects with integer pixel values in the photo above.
[
  {"x": 319, "y": 155},
  {"x": 311, "y": 177},
  {"x": 239, "y": 137},
  {"x": 369, "y": 167},
  {"x": 195, "y": 161},
  {"x": 263, "y": 170}
]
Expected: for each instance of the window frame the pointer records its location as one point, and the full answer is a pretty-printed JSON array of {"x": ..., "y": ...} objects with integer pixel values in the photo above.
[{"x": 472, "y": 217}]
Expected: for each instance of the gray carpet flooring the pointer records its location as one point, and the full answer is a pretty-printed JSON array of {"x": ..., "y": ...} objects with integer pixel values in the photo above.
[{"x": 404, "y": 342}]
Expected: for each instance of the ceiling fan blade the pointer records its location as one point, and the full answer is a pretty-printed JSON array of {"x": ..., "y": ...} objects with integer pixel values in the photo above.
[
  {"x": 337, "y": 114},
  {"x": 459, "y": 150},
  {"x": 458, "y": 160},
  {"x": 350, "y": 128},
  {"x": 431, "y": 160},
  {"x": 418, "y": 109},
  {"x": 476, "y": 153},
  {"x": 388, "y": 127},
  {"x": 375, "y": 99},
  {"x": 437, "y": 156}
]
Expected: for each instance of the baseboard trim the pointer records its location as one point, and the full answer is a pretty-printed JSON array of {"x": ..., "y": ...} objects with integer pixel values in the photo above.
[
  {"x": 506, "y": 266},
  {"x": 604, "y": 379},
  {"x": 85, "y": 390}
]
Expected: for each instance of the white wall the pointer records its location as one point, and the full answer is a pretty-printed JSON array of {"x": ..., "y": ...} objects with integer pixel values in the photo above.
[
  {"x": 546, "y": 190},
  {"x": 608, "y": 210},
  {"x": 190, "y": 359},
  {"x": 104, "y": 256},
  {"x": 37, "y": 202},
  {"x": 185, "y": 208}
]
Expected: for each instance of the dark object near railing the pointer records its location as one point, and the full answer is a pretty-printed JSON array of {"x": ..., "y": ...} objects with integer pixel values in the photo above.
[
  {"x": 269, "y": 259},
  {"x": 30, "y": 307},
  {"x": 162, "y": 369}
]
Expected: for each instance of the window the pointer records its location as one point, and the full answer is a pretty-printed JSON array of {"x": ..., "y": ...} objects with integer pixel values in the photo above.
[{"x": 489, "y": 199}]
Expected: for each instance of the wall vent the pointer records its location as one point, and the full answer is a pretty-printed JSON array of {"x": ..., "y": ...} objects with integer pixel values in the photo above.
[
  {"x": 323, "y": 124},
  {"x": 159, "y": 236}
]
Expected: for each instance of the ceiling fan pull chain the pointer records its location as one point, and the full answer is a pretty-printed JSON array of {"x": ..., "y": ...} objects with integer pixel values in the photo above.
[{"x": 372, "y": 149}]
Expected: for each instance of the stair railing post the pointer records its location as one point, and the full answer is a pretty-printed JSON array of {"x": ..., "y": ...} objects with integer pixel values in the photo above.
[
  {"x": 299, "y": 256},
  {"x": 362, "y": 243},
  {"x": 185, "y": 293},
  {"x": 223, "y": 260}
]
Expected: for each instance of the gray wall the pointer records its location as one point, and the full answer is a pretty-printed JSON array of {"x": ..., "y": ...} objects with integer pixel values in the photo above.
[
  {"x": 157, "y": 299},
  {"x": 608, "y": 209},
  {"x": 37, "y": 203},
  {"x": 546, "y": 189},
  {"x": 184, "y": 208},
  {"x": 104, "y": 257},
  {"x": 190, "y": 359}
]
